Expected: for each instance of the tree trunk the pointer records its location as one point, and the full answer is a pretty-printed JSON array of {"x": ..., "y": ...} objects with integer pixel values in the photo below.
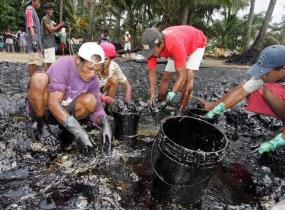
[
  {"x": 282, "y": 40},
  {"x": 249, "y": 26},
  {"x": 91, "y": 20},
  {"x": 185, "y": 14},
  {"x": 251, "y": 55},
  {"x": 61, "y": 11},
  {"x": 117, "y": 32}
]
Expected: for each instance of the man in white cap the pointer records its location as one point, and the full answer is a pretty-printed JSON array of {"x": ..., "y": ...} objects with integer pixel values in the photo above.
[
  {"x": 127, "y": 45},
  {"x": 70, "y": 91},
  {"x": 266, "y": 94}
]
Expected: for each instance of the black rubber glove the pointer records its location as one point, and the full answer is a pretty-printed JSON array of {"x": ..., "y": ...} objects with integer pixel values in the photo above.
[
  {"x": 106, "y": 132},
  {"x": 45, "y": 136},
  {"x": 35, "y": 44},
  {"x": 85, "y": 144}
]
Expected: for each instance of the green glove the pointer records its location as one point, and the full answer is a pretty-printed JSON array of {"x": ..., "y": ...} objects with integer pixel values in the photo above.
[
  {"x": 272, "y": 145},
  {"x": 170, "y": 96},
  {"x": 219, "y": 109}
]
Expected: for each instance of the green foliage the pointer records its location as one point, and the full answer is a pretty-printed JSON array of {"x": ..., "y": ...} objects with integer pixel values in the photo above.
[
  {"x": 11, "y": 15},
  {"x": 135, "y": 15}
]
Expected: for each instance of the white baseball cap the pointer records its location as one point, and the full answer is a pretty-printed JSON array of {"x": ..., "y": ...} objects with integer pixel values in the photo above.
[{"x": 89, "y": 49}]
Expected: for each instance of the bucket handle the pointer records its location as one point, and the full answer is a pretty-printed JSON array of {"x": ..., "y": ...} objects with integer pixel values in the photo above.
[{"x": 163, "y": 180}]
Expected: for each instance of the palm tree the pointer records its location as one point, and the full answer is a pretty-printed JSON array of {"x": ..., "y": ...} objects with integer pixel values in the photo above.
[
  {"x": 249, "y": 26},
  {"x": 252, "y": 53},
  {"x": 282, "y": 40},
  {"x": 91, "y": 20}
]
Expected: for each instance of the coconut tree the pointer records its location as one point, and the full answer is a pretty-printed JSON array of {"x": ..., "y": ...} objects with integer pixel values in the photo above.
[
  {"x": 252, "y": 53},
  {"x": 249, "y": 26},
  {"x": 91, "y": 20},
  {"x": 282, "y": 39}
]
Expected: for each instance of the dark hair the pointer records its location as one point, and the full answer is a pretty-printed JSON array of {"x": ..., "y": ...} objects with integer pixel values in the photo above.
[
  {"x": 48, "y": 5},
  {"x": 279, "y": 68},
  {"x": 81, "y": 59}
]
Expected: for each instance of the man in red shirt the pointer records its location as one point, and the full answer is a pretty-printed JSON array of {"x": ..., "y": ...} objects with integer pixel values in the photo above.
[{"x": 184, "y": 47}]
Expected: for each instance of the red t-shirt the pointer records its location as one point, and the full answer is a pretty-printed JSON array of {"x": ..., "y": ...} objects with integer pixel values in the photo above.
[{"x": 179, "y": 43}]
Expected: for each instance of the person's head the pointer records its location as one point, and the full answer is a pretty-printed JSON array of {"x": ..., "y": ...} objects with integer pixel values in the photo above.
[
  {"x": 89, "y": 60},
  {"x": 110, "y": 53},
  {"x": 270, "y": 65},
  {"x": 127, "y": 33},
  {"x": 36, "y": 4},
  {"x": 153, "y": 42},
  {"x": 48, "y": 7}
]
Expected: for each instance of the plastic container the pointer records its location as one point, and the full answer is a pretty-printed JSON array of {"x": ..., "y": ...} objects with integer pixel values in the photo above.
[{"x": 188, "y": 152}]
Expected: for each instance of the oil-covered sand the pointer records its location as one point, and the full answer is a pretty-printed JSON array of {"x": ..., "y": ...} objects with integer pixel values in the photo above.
[{"x": 33, "y": 178}]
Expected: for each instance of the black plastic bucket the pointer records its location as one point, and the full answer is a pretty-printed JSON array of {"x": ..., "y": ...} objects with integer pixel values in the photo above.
[
  {"x": 126, "y": 125},
  {"x": 188, "y": 152},
  {"x": 200, "y": 113}
]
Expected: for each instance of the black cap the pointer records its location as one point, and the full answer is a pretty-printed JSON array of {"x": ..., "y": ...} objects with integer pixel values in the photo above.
[{"x": 150, "y": 39}]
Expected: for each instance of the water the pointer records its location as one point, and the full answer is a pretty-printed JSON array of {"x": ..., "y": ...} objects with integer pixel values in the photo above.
[{"x": 30, "y": 178}]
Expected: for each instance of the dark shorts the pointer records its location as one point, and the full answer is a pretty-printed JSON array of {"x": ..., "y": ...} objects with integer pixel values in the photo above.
[{"x": 50, "y": 119}]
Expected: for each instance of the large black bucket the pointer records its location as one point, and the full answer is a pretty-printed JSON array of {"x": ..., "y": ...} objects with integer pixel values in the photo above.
[
  {"x": 126, "y": 125},
  {"x": 188, "y": 151},
  {"x": 200, "y": 113}
]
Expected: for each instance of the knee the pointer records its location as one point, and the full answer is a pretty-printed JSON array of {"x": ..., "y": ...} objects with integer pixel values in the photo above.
[
  {"x": 89, "y": 102},
  {"x": 39, "y": 81},
  {"x": 114, "y": 81}
]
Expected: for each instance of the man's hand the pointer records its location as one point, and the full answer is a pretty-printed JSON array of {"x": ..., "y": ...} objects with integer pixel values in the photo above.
[
  {"x": 170, "y": 96},
  {"x": 35, "y": 44},
  {"x": 85, "y": 144},
  {"x": 217, "y": 110},
  {"x": 106, "y": 132},
  {"x": 107, "y": 99},
  {"x": 272, "y": 145},
  {"x": 128, "y": 97},
  {"x": 152, "y": 101}
]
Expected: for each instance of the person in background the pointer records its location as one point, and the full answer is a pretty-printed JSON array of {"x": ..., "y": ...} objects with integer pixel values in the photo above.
[
  {"x": 105, "y": 37},
  {"x": 111, "y": 75},
  {"x": 265, "y": 91},
  {"x": 127, "y": 45},
  {"x": 48, "y": 29},
  {"x": 34, "y": 37},
  {"x": 62, "y": 36},
  {"x": 9, "y": 41},
  {"x": 67, "y": 93},
  {"x": 23, "y": 41},
  {"x": 184, "y": 46}
]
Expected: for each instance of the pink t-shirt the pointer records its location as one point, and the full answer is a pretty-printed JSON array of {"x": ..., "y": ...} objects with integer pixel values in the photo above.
[{"x": 179, "y": 43}]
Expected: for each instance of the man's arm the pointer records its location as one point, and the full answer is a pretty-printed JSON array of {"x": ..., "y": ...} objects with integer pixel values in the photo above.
[
  {"x": 50, "y": 28},
  {"x": 152, "y": 82},
  {"x": 32, "y": 31},
  {"x": 55, "y": 107},
  {"x": 233, "y": 97}
]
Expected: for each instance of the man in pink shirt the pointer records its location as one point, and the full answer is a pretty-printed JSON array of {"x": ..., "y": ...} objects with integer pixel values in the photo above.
[{"x": 184, "y": 47}]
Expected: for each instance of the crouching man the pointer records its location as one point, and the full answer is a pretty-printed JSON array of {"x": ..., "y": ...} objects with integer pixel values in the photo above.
[
  {"x": 265, "y": 93},
  {"x": 68, "y": 92}
]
